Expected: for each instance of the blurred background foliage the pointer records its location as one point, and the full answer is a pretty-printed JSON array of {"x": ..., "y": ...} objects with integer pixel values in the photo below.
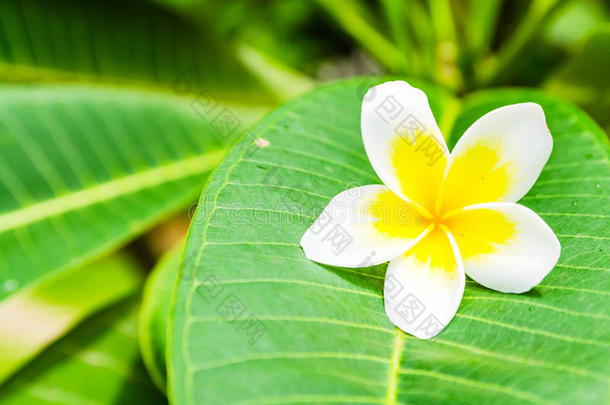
[
  {"x": 167, "y": 62},
  {"x": 559, "y": 45}
]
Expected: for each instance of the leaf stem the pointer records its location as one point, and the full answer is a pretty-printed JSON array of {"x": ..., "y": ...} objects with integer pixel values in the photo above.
[
  {"x": 395, "y": 15},
  {"x": 496, "y": 69},
  {"x": 478, "y": 28},
  {"x": 346, "y": 14},
  {"x": 420, "y": 23},
  {"x": 281, "y": 80},
  {"x": 446, "y": 47}
]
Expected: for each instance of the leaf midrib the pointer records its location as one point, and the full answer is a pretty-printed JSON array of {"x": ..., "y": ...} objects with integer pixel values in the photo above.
[
  {"x": 109, "y": 190},
  {"x": 394, "y": 371}
]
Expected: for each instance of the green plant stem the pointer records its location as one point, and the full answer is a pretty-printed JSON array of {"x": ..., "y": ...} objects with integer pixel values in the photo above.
[
  {"x": 478, "y": 28},
  {"x": 395, "y": 15},
  {"x": 442, "y": 20},
  {"x": 419, "y": 21},
  {"x": 283, "y": 81},
  {"x": 371, "y": 40},
  {"x": 496, "y": 69},
  {"x": 446, "y": 44}
]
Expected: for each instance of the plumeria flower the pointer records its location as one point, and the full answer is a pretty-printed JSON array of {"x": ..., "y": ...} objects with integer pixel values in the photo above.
[{"x": 440, "y": 215}]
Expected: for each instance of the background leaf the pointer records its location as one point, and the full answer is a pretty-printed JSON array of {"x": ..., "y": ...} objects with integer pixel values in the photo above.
[
  {"x": 326, "y": 337},
  {"x": 154, "y": 313},
  {"x": 57, "y": 304},
  {"x": 98, "y": 363},
  {"x": 583, "y": 77},
  {"x": 132, "y": 43},
  {"x": 84, "y": 169}
]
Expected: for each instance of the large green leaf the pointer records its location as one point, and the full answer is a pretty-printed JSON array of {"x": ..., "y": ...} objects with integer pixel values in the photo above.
[
  {"x": 83, "y": 170},
  {"x": 97, "y": 364},
  {"x": 325, "y": 336},
  {"x": 34, "y": 318}
]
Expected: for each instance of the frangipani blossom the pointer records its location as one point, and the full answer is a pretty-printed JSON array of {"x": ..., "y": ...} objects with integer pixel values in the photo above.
[{"x": 440, "y": 215}]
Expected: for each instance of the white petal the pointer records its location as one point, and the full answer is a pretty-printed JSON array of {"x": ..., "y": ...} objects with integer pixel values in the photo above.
[
  {"x": 505, "y": 246},
  {"x": 499, "y": 157},
  {"x": 363, "y": 226},
  {"x": 403, "y": 141},
  {"x": 424, "y": 287}
]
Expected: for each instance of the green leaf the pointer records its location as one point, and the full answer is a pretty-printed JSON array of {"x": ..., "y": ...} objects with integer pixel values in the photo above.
[
  {"x": 326, "y": 335},
  {"x": 154, "y": 314},
  {"x": 119, "y": 43},
  {"x": 98, "y": 363},
  {"x": 83, "y": 170},
  {"x": 37, "y": 316},
  {"x": 132, "y": 45}
]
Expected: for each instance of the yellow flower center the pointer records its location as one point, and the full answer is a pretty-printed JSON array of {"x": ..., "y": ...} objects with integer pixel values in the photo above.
[{"x": 477, "y": 176}]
